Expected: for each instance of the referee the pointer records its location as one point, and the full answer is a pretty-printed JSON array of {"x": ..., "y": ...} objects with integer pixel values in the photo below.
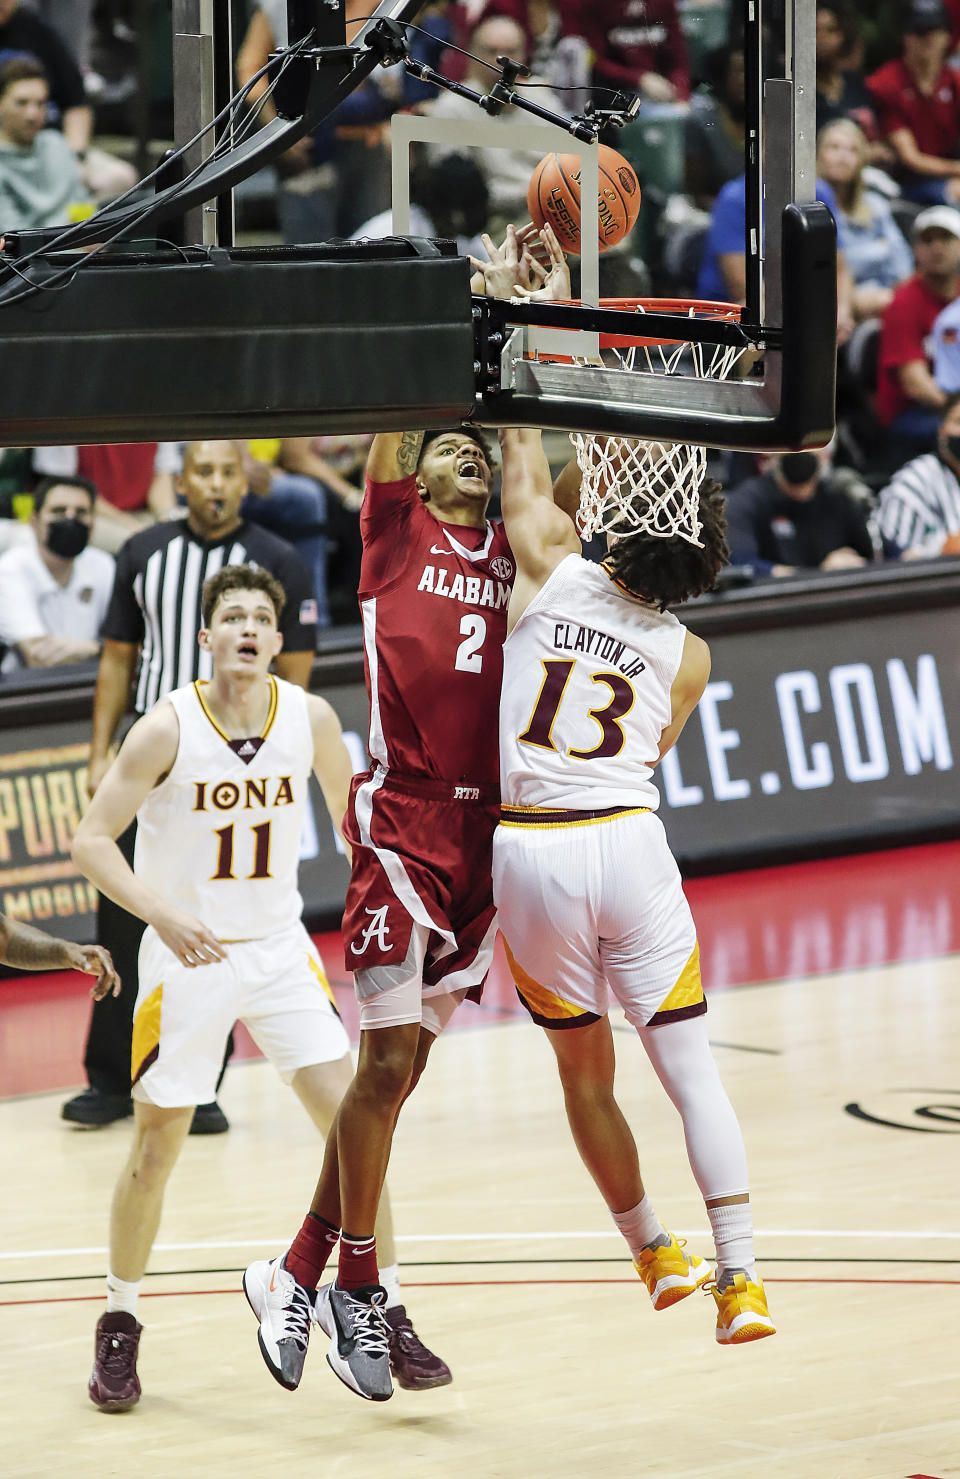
[{"x": 154, "y": 614}]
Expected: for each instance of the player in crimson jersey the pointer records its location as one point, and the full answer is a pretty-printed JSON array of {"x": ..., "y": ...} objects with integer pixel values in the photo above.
[{"x": 418, "y": 923}]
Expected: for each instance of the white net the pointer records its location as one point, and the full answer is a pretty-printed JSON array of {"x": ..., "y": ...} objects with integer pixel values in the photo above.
[{"x": 629, "y": 485}]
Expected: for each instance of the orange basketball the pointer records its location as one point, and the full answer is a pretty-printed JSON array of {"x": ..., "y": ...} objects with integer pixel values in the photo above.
[
  {"x": 554, "y": 197},
  {"x": 951, "y": 545}
]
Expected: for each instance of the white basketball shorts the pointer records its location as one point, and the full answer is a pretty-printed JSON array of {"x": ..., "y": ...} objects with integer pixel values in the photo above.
[
  {"x": 276, "y": 986},
  {"x": 592, "y": 906}
]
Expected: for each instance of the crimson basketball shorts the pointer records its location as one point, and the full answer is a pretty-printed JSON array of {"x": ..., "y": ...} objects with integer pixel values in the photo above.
[
  {"x": 420, "y": 901},
  {"x": 589, "y": 906}
]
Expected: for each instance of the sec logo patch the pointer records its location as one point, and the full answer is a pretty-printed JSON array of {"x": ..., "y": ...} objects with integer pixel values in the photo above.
[{"x": 501, "y": 567}]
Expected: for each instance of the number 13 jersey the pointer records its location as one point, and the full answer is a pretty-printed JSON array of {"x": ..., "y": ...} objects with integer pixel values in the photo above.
[
  {"x": 219, "y": 837},
  {"x": 587, "y": 674},
  {"x": 434, "y": 602}
]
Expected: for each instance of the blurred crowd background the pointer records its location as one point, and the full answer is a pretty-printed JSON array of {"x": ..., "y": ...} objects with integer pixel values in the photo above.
[{"x": 86, "y": 108}]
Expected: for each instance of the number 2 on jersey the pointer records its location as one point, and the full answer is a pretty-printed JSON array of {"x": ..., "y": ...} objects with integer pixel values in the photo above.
[
  {"x": 556, "y": 675},
  {"x": 473, "y": 629}
]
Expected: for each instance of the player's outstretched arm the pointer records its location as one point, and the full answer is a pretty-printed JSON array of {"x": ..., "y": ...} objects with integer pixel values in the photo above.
[
  {"x": 144, "y": 760},
  {"x": 540, "y": 534},
  {"x": 393, "y": 455},
  {"x": 332, "y": 765},
  {"x": 687, "y": 689},
  {"x": 29, "y": 949}
]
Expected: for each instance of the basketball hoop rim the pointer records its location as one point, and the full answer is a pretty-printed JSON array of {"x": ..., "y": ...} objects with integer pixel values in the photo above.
[{"x": 690, "y": 307}]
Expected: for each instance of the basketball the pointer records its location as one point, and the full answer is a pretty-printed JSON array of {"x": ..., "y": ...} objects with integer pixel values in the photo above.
[
  {"x": 951, "y": 545},
  {"x": 553, "y": 197}
]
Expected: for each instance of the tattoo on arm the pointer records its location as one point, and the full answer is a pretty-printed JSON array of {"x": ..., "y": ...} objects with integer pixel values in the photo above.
[{"x": 409, "y": 451}]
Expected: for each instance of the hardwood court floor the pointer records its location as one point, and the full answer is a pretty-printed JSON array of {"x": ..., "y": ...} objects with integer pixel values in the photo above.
[{"x": 512, "y": 1270}]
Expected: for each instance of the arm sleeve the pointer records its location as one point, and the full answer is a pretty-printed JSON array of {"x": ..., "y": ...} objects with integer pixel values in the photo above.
[
  {"x": 20, "y": 618},
  {"x": 124, "y": 619}
]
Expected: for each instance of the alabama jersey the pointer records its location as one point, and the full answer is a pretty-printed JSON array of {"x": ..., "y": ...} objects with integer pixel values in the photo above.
[
  {"x": 219, "y": 837},
  {"x": 434, "y": 600},
  {"x": 587, "y": 674}
]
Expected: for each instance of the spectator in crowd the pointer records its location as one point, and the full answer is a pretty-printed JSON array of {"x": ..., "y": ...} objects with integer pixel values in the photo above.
[
  {"x": 557, "y": 51},
  {"x": 723, "y": 266},
  {"x": 841, "y": 91},
  {"x": 73, "y": 22},
  {"x": 335, "y": 463},
  {"x": 797, "y": 516},
  {"x": 917, "y": 98},
  {"x": 908, "y": 397},
  {"x": 292, "y": 503},
  {"x": 150, "y": 630},
  {"x": 40, "y": 182},
  {"x": 448, "y": 198},
  {"x": 638, "y": 45},
  {"x": 506, "y": 171},
  {"x": 339, "y": 175},
  {"x": 944, "y": 348},
  {"x": 874, "y": 246},
  {"x": 25, "y": 34},
  {"x": 134, "y": 483},
  {"x": 54, "y": 590},
  {"x": 919, "y": 512},
  {"x": 715, "y": 127}
]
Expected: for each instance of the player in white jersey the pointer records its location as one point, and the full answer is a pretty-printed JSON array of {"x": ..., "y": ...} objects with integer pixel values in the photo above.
[
  {"x": 217, "y": 775},
  {"x": 599, "y": 679}
]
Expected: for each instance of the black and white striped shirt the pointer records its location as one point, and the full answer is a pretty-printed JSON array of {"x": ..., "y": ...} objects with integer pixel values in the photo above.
[
  {"x": 920, "y": 505},
  {"x": 156, "y": 599}
]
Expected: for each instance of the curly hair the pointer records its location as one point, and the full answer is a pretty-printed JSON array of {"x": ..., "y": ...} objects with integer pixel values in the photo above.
[
  {"x": 241, "y": 578},
  {"x": 668, "y": 571}
]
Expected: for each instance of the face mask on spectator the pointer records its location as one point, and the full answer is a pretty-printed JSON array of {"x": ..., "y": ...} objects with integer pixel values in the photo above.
[
  {"x": 952, "y": 445},
  {"x": 799, "y": 467},
  {"x": 67, "y": 538}
]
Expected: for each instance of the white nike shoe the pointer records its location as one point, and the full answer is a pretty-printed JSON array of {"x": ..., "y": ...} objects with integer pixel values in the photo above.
[{"x": 285, "y": 1310}]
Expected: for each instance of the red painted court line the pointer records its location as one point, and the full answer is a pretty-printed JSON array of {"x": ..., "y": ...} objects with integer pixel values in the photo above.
[{"x": 454, "y": 1284}]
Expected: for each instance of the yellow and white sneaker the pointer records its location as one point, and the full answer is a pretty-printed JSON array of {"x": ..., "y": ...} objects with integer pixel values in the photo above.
[
  {"x": 742, "y": 1312},
  {"x": 670, "y": 1274}
]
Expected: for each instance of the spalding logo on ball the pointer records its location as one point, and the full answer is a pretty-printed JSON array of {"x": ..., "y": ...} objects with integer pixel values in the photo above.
[{"x": 553, "y": 198}]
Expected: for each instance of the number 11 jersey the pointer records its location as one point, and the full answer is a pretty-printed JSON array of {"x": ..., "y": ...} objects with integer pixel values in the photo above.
[
  {"x": 434, "y": 599},
  {"x": 219, "y": 836}
]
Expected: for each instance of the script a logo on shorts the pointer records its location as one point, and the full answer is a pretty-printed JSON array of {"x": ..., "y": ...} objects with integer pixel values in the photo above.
[
  {"x": 501, "y": 567},
  {"x": 377, "y": 929}
]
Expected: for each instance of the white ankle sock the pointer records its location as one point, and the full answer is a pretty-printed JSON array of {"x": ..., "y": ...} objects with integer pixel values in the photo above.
[
  {"x": 390, "y": 1279},
  {"x": 122, "y": 1296},
  {"x": 732, "y": 1226},
  {"x": 640, "y": 1226}
]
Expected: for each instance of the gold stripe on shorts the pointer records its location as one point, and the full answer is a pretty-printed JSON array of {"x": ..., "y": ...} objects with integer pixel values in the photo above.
[
  {"x": 549, "y": 816},
  {"x": 145, "y": 1046},
  {"x": 545, "y": 1007},
  {"x": 685, "y": 998},
  {"x": 320, "y": 974}
]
